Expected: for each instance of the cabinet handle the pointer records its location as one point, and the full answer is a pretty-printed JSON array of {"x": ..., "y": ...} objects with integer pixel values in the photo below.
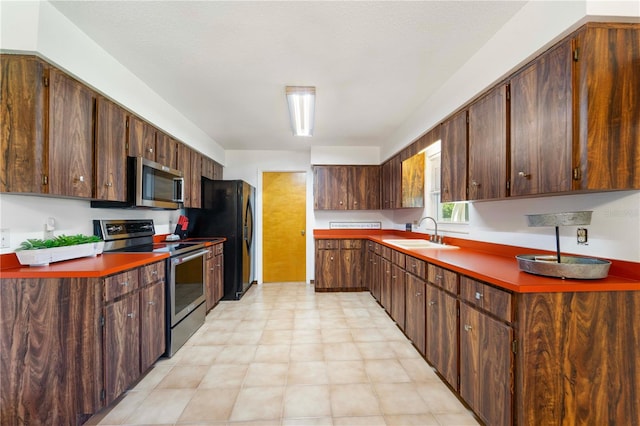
[
  {"x": 431, "y": 303},
  {"x": 131, "y": 315},
  {"x": 340, "y": 202},
  {"x": 418, "y": 294},
  {"x": 108, "y": 184},
  {"x": 393, "y": 276},
  {"x": 524, "y": 175},
  {"x": 154, "y": 272},
  {"x": 474, "y": 183},
  {"x": 149, "y": 150},
  {"x": 478, "y": 295},
  {"x": 467, "y": 327},
  {"x": 331, "y": 258},
  {"x": 125, "y": 283},
  {"x": 79, "y": 179},
  {"x": 152, "y": 303},
  {"x": 212, "y": 269},
  {"x": 438, "y": 278}
]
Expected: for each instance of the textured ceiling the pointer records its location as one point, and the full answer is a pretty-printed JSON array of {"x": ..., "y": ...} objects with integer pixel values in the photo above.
[{"x": 225, "y": 65}]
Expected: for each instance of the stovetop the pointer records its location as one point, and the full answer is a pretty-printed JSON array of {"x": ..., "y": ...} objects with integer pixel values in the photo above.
[{"x": 136, "y": 236}]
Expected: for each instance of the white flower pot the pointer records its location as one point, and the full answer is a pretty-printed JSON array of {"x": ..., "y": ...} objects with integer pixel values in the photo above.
[{"x": 42, "y": 257}]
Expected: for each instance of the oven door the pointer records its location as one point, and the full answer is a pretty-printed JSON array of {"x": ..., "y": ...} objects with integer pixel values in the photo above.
[{"x": 186, "y": 284}]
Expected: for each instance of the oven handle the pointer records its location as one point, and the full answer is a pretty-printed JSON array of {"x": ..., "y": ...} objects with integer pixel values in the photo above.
[{"x": 180, "y": 259}]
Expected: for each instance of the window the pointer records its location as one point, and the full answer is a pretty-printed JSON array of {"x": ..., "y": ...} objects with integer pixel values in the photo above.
[{"x": 443, "y": 212}]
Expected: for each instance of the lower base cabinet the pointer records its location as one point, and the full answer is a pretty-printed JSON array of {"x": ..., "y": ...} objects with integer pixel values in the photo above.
[
  {"x": 338, "y": 265},
  {"x": 442, "y": 333},
  {"x": 71, "y": 346},
  {"x": 415, "y": 321},
  {"x": 214, "y": 277}
]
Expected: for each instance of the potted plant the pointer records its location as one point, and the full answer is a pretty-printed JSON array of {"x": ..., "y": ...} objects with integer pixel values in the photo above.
[{"x": 37, "y": 252}]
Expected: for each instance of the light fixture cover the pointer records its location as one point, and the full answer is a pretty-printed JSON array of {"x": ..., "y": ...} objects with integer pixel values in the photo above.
[{"x": 301, "y": 100}]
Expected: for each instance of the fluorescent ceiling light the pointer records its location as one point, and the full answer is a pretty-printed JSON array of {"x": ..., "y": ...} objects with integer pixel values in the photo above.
[{"x": 301, "y": 100}]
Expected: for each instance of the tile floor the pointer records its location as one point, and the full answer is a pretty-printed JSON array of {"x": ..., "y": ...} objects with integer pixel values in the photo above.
[{"x": 285, "y": 355}]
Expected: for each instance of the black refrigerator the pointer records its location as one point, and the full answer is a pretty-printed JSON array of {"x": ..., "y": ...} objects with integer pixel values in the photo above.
[{"x": 227, "y": 211}]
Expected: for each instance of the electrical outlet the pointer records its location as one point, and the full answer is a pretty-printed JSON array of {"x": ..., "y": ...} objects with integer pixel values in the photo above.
[
  {"x": 5, "y": 241},
  {"x": 582, "y": 236}
]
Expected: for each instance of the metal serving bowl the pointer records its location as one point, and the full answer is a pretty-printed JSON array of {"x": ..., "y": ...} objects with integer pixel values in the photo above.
[{"x": 583, "y": 268}]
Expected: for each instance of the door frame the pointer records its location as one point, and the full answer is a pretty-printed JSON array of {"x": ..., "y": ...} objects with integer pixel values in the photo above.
[{"x": 309, "y": 241}]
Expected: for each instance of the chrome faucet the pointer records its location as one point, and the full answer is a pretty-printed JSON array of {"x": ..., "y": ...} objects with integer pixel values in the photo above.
[{"x": 435, "y": 237}]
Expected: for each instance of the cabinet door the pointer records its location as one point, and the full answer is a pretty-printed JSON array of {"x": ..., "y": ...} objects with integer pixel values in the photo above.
[
  {"x": 142, "y": 139},
  {"x": 110, "y": 151},
  {"x": 70, "y": 136},
  {"x": 152, "y": 324},
  {"x": 488, "y": 146},
  {"x": 386, "y": 184},
  {"x": 330, "y": 187},
  {"x": 184, "y": 165},
  {"x": 210, "y": 280},
  {"x": 22, "y": 108},
  {"x": 396, "y": 182},
  {"x": 217, "y": 171},
  {"x": 376, "y": 282},
  {"x": 385, "y": 284},
  {"x": 541, "y": 124},
  {"x": 397, "y": 295},
  {"x": 453, "y": 158},
  {"x": 486, "y": 375},
  {"x": 351, "y": 268},
  {"x": 166, "y": 150},
  {"x": 121, "y": 345},
  {"x": 442, "y": 329},
  {"x": 208, "y": 167},
  {"x": 369, "y": 258},
  {"x": 219, "y": 277},
  {"x": 415, "y": 319},
  {"x": 195, "y": 179},
  {"x": 608, "y": 82},
  {"x": 364, "y": 188},
  {"x": 327, "y": 269}
]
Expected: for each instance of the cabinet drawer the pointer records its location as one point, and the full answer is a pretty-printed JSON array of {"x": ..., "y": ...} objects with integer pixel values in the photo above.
[
  {"x": 377, "y": 248},
  {"x": 398, "y": 258},
  {"x": 386, "y": 252},
  {"x": 351, "y": 244},
  {"x": 327, "y": 244},
  {"x": 122, "y": 283},
  {"x": 152, "y": 273},
  {"x": 371, "y": 246},
  {"x": 416, "y": 266},
  {"x": 443, "y": 278},
  {"x": 491, "y": 299}
]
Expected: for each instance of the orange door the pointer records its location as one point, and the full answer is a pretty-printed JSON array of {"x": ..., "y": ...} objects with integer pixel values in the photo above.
[{"x": 284, "y": 218}]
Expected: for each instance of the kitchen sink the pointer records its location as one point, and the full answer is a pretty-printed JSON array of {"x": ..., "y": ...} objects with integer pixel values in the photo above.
[{"x": 409, "y": 244}]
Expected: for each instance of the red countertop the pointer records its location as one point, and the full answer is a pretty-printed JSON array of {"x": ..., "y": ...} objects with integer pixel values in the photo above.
[
  {"x": 496, "y": 263},
  {"x": 86, "y": 267},
  {"x": 89, "y": 267}
]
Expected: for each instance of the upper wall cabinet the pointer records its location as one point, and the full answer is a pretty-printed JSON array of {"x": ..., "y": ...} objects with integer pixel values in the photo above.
[
  {"x": 142, "y": 139},
  {"x": 22, "y": 135},
  {"x": 166, "y": 150},
  {"x": 71, "y": 109},
  {"x": 541, "y": 135},
  {"x": 488, "y": 146},
  {"x": 607, "y": 117},
  {"x": 392, "y": 183},
  {"x": 110, "y": 151},
  {"x": 453, "y": 170},
  {"x": 346, "y": 187}
]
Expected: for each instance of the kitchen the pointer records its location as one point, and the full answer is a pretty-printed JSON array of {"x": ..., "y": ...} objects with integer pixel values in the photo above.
[{"x": 490, "y": 221}]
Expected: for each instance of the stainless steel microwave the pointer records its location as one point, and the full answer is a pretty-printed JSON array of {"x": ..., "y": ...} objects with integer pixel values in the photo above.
[{"x": 150, "y": 185}]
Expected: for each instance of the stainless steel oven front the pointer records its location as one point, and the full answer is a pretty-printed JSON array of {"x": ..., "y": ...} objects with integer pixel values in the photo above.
[{"x": 186, "y": 296}]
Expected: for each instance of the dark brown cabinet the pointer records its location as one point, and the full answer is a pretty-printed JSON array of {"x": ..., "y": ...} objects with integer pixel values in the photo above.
[
  {"x": 122, "y": 345},
  {"x": 70, "y": 126},
  {"x": 141, "y": 139},
  {"x": 442, "y": 323},
  {"x": 152, "y": 314},
  {"x": 364, "y": 187},
  {"x": 398, "y": 294},
  {"x": 541, "y": 124},
  {"x": 22, "y": 112},
  {"x": 346, "y": 187},
  {"x": 488, "y": 145},
  {"x": 453, "y": 158},
  {"x": 606, "y": 61},
  {"x": 214, "y": 279},
  {"x": 486, "y": 351},
  {"x": 386, "y": 283},
  {"x": 339, "y": 265},
  {"x": 110, "y": 151},
  {"x": 195, "y": 180},
  {"x": 391, "y": 183},
  {"x": 415, "y": 323},
  {"x": 166, "y": 150}
]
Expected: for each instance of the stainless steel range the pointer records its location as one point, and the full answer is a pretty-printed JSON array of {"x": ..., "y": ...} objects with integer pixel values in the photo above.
[{"x": 185, "y": 285}]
